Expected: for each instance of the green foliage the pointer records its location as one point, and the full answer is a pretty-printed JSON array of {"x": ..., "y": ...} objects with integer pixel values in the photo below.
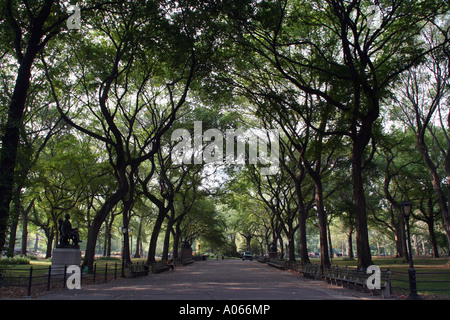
[
  {"x": 313, "y": 69},
  {"x": 18, "y": 260}
]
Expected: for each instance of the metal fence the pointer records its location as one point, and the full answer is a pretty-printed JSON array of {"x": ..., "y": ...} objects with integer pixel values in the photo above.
[
  {"x": 48, "y": 278},
  {"x": 429, "y": 282},
  {"x": 38, "y": 279}
]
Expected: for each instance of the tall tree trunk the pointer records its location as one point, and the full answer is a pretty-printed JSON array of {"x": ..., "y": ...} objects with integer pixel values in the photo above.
[
  {"x": 302, "y": 216},
  {"x": 15, "y": 221},
  {"x": 97, "y": 222},
  {"x": 176, "y": 239},
  {"x": 50, "y": 234},
  {"x": 155, "y": 234},
  {"x": 24, "y": 231},
  {"x": 350, "y": 244},
  {"x": 330, "y": 244},
  {"x": 291, "y": 247},
  {"x": 126, "y": 256},
  {"x": 165, "y": 254},
  {"x": 435, "y": 251},
  {"x": 137, "y": 253},
  {"x": 362, "y": 234},
  {"x": 324, "y": 253}
]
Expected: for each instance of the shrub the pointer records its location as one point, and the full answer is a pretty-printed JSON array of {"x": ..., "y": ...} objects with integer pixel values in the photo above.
[{"x": 15, "y": 260}]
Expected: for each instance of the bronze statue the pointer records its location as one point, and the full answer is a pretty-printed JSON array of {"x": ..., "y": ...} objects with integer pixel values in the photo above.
[
  {"x": 185, "y": 244},
  {"x": 68, "y": 233},
  {"x": 273, "y": 246}
]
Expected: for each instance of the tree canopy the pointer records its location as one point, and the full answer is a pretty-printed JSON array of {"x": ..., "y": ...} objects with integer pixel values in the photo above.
[{"x": 346, "y": 101}]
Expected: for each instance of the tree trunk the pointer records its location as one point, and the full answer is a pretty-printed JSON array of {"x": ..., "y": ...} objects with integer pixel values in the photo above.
[
  {"x": 362, "y": 234},
  {"x": 322, "y": 215},
  {"x": 154, "y": 237},
  {"x": 25, "y": 232},
  {"x": 126, "y": 257},
  {"x": 280, "y": 241},
  {"x": 350, "y": 244},
  {"x": 330, "y": 245},
  {"x": 165, "y": 255},
  {"x": 435, "y": 251},
  {"x": 291, "y": 246},
  {"x": 50, "y": 234},
  {"x": 137, "y": 253},
  {"x": 302, "y": 237},
  {"x": 302, "y": 216},
  {"x": 97, "y": 222},
  {"x": 248, "y": 240},
  {"x": 176, "y": 239},
  {"x": 15, "y": 221}
]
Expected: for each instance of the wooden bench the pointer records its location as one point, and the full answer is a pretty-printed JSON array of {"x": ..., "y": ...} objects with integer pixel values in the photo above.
[
  {"x": 159, "y": 267},
  {"x": 331, "y": 275},
  {"x": 261, "y": 259},
  {"x": 310, "y": 271},
  {"x": 137, "y": 270},
  {"x": 357, "y": 279},
  {"x": 185, "y": 262},
  {"x": 279, "y": 264}
]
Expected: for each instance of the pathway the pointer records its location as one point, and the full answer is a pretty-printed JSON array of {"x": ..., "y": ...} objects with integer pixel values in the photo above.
[{"x": 214, "y": 280}]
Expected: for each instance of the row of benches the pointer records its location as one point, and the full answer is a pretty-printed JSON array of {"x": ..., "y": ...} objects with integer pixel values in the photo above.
[
  {"x": 137, "y": 270},
  {"x": 279, "y": 264},
  {"x": 357, "y": 279},
  {"x": 342, "y": 276},
  {"x": 141, "y": 269}
]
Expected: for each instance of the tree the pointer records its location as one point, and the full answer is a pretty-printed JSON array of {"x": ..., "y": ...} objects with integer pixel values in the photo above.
[
  {"x": 137, "y": 103},
  {"x": 58, "y": 188},
  {"x": 422, "y": 100},
  {"x": 27, "y": 29},
  {"x": 331, "y": 40}
]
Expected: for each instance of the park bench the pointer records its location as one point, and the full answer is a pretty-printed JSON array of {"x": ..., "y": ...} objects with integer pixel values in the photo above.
[
  {"x": 335, "y": 275},
  {"x": 311, "y": 271},
  {"x": 185, "y": 262},
  {"x": 357, "y": 279},
  {"x": 279, "y": 264},
  {"x": 354, "y": 278},
  {"x": 160, "y": 266},
  {"x": 137, "y": 270},
  {"x": 261, "y": 259}
]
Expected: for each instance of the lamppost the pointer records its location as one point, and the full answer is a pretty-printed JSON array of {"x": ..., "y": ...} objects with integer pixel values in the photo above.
[
  {"x": 124, "y": 230},
  {"x": 405, "y": 209}
]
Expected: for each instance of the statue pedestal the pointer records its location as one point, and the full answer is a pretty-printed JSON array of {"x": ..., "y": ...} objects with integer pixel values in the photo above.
[
  {"x": 186, "y": 254},
  {"x": 273, "y": 255},
  {"x": 65, "y": 256}
]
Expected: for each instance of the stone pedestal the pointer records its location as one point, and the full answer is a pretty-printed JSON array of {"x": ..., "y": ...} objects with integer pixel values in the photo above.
[
  {"x": 65, "y": 256},
  {"x": 186, "y": 253},
  {"x": 273, "y": 255}
]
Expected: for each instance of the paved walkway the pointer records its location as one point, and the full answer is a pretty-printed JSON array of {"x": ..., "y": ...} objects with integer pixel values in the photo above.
[{"x": 214, "y": 280}]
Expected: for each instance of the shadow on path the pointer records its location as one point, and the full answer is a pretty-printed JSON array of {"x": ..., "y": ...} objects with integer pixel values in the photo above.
[{"x": 214, "y": 280}]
